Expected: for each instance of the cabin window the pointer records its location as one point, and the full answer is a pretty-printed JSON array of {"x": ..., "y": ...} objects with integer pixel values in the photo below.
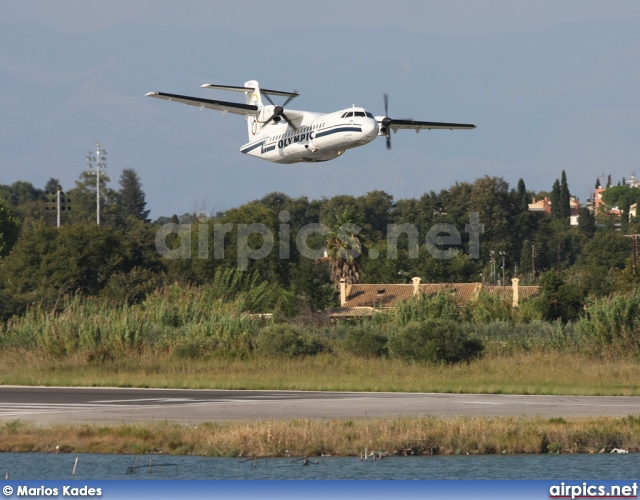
[
  {"x": 369, "y": 115},
  {"x": 359, "y": 113},
  {"x": 349, "y": 114}
]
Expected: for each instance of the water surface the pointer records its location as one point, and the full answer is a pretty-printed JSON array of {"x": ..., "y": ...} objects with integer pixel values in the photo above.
[{"x": 44, "y": 466}]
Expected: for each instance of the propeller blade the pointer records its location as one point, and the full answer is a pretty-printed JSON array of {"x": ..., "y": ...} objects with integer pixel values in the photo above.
[
  {"x": 269, "y": 99},
  {"x": 278, "y": 111},
  {"x": 386, "y": 122},
  {"x": 288, "y": 121},
  {"x": 290, "y": 98},
  {"x": 270, "y": 119}
]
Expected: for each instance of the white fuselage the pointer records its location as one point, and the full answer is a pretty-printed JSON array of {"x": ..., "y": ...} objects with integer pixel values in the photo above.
[{"x": 316, "y": 137}]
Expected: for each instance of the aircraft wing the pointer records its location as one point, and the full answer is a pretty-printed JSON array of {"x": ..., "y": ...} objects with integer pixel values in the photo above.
[
  {"x": 396, "y": 125},
  {"x": 199, "y": 102}
]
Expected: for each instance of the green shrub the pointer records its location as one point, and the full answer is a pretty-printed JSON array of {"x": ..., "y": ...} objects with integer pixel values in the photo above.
[
  {"x": 527, "y": 312},
  {"x": 613, "y": 321},
  {"x": 132, "y": 287},
  {"x": 288, "y": 341},
  {"x": 434, "y": 341},
  {"x": 560, "y": 298},
  {"x": 424, "y": 307},
  {"x": 489, "y": 308},
  {"x": 366, "y": 342}
]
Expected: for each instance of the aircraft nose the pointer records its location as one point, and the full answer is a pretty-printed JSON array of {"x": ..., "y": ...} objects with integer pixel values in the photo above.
[{"x": 370, "y": 127}]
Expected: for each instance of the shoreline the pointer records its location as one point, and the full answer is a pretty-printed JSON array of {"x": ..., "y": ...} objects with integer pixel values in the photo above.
[{"x": 344, "y": 437}]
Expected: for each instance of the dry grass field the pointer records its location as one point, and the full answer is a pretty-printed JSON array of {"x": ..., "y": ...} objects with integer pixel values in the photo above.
[
  {"x": 535, "y": 372},
  {"x": 406, "y": 436}
]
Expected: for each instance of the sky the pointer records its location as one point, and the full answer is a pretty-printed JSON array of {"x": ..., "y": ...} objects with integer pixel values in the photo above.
[
  {"x": 451, "y": 17},
  {"x": 589, "y": 134}
]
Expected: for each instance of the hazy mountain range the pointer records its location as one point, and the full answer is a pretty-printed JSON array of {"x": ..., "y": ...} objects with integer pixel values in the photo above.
[{"x": 566, "y": 98}]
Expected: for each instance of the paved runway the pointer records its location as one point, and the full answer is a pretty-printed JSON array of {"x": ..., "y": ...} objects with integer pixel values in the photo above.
[{"x": 115, "y": 405}]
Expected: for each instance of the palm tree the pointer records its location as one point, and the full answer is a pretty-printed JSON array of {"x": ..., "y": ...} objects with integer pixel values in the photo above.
[{"x": 345, "y": 250}]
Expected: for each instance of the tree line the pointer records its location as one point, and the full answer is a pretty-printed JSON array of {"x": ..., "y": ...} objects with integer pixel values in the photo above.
[{"x": 41, "y": 263}]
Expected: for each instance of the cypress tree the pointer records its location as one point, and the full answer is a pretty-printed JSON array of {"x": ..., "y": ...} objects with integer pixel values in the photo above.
[
  {"x": 522, "y": 196},
  {"x": 131, "y": 197},
  {"x": 554, "y": 198},
  {"x": 564, "y": 211},
  {"x": 624, "y": 215},
  {"x": 586, "y": 222}
]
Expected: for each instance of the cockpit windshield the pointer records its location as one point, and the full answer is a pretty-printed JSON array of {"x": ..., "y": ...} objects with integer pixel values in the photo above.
[{"x": 349, "y": 114}]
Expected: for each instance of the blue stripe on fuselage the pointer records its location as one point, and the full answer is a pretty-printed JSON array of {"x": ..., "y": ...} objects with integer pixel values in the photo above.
[
  {"x": 252, "y": 147},
  {"x": 321, "y": 133},
  {"x": 339, "y": 129}
]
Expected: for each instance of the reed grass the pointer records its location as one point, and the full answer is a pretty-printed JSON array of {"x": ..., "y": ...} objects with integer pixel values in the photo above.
[
  {"x": 305, "y": 437},
  {"x": 612, "y": 322},
  {"x": 174, "y": 315},
  {"x": 203, "y": 337}
]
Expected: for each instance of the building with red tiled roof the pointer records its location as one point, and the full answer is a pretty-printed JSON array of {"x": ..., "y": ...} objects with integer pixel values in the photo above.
[
  {"x": 544, "y": 206},
  {"x": 368, "y": 299},
  {"x": 600, "y": 206}
]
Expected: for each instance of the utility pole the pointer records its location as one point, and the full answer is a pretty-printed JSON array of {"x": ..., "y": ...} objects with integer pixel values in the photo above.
[
  {"x": 59, "y": 202},
  {"x": 533, "y": 260},
  {"x": 58, "y": 191},
  {"x": 98, "y": 162},
  {"x": 503, "y": 254},
  {"x": 493, "y": 267},
  {"x": 635, "y": 249}
]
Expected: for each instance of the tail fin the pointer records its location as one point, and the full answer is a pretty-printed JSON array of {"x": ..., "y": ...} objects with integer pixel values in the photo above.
[{"x": 253, "y": 96}]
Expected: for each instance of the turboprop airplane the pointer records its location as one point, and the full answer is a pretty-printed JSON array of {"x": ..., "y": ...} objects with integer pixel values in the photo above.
[{"x": 288, "y": 136}]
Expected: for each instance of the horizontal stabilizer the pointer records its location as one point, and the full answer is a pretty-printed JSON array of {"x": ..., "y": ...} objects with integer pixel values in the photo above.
[
  {"x": 246, "y": 89},
  {"x": 226, "y": 87}
]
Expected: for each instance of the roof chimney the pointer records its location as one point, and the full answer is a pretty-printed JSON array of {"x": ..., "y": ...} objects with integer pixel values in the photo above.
[
  {"x": 416, "y": 285},
  {"x": 343, "y": 292},
  {"x": 514, "y": 285}
]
